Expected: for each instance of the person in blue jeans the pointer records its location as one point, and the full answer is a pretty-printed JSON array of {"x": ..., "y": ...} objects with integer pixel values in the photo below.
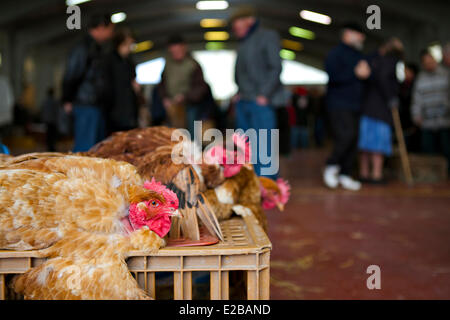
[
  {"x": 4, "y": 149},
  {"x": 257, "y": 72},
  {"x": 85, "y": 88}
]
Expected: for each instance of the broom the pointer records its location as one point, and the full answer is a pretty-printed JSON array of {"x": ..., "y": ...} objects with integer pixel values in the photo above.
[{"x": 402, "y": 147}]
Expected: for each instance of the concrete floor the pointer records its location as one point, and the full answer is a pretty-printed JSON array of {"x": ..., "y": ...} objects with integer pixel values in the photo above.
[{"x": 325, "y": 239}]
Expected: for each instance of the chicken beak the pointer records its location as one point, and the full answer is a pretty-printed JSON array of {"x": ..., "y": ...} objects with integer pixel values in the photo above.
[
  {"x": 280, "y": 206},
  {"x": 248, "y": 166},
  {"x": 176, "y": 213}
]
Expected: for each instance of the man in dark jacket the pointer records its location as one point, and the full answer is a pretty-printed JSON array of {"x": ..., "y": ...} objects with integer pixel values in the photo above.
[
  {"x": 85, "y": 82},
  {"x": 49, "y": 115},
  {"x": 123, "y": 105},
  {"x": 257, "y": 73},
  {"x": 346, "y": 69}
]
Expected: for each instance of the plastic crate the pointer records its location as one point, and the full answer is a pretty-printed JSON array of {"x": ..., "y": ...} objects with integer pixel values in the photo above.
[{"x": 246, "y": 247}]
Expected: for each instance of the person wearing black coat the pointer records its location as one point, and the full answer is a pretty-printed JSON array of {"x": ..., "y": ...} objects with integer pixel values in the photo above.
[
  {"x": 375, "y": 129},
  {"x": 84, "y": 84},
  {"x": 123, "y": 105},
  {"x": 346, "y": 68}
]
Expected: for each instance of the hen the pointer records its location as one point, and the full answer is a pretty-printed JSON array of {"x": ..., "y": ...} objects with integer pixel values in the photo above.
[
  {"x": 243, "y": 192},
  {"x": 84, "y": 214},
  {"x": 151, "y": 150}
]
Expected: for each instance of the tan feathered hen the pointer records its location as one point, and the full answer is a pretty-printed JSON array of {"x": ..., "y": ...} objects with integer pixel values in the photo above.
[
  {"x": 4, "y": 158},
  {"x": 243, "y": 192},
  {"x": 84, "y": 214},
  {"x": 239, "y": 194},
  {"x": 151, "y": 150}
]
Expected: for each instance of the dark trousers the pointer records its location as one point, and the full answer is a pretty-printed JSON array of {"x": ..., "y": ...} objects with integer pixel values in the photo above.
[
  {"x": 437, "y": 142},
  {"x": 51, "y": 137},
  {"x": 344, "y": 127},
  {"x": 285, "y": 130},
  {"x": 193, "y": 113},
  {"x": 250, "y": 115},
  {"x": 90, "y": 127}
]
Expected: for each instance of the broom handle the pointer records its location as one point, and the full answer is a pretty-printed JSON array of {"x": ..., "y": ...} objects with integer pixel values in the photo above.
[{"x": 402, "y": 147}]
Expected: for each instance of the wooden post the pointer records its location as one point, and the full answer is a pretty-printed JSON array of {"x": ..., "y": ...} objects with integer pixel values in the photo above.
[
  {"x": 182, "y": 285},
  {"x": 264, "y": 284},
  {"x": 219, "y": 285},
  {"x": 2, "y": 287},
  {"x": 215, "y": 285},
  {"x": 402, "y": 147},
  {"x": 177, "y": 286},
  {"x": 225, "y": 285},
  {"x": 187, "y": 285},
  {"x": 252, "y": 285},
  {"x": 150, "y": 285}
]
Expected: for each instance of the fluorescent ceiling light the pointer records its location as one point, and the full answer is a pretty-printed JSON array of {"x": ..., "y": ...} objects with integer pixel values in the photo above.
[
  {"x": 214, "y": 46},
  {"x": 291, "y": 44},
  {"x": 118, "y": 17},
  {"x": 142, "y": 46},
  {"x": 75, "y": 2},
  {"x": 315, "y": 17},
  {"x": 212, "y": 23},
  {"x": 216, "y": 36},
  {"x": 287, "y": 54},
  {"x": 212, "y": 5},
  {"x": 302, "y": 33}
]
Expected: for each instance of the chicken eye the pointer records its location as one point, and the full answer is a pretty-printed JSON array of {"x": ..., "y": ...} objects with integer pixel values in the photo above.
[{"x": 154, "y": 203}]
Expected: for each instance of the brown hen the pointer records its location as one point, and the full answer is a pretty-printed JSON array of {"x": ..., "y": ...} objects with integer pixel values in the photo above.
[{"x": 151, "y": 150}]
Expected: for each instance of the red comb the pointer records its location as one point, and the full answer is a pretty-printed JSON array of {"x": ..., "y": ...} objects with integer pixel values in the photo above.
[
  {"x": 242, "y": 142},
  {"x": 285, "y": 190}
]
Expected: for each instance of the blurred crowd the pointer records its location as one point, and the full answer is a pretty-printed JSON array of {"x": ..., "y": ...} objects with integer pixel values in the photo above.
[
  {"x": 100, "y": 95},
  {"x": 365, "y": 99}
]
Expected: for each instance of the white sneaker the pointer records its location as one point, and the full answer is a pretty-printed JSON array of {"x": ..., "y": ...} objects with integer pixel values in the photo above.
[
  {"x": 330, "y": 176},
  {"x": 349, "y": 183}
]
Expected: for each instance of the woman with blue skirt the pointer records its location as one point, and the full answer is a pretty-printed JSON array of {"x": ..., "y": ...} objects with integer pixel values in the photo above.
[{"x": 375, "y": 128}]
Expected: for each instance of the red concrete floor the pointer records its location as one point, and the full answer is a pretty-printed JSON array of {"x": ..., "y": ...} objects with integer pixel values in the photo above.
[{"x": 325, "y": 239}]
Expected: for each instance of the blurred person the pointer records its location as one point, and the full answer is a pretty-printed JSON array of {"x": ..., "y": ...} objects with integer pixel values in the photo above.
[
  {"x": 346, "y": 68},
  {"x": 49, "y": 115},
  {"x": 381, "y": 94},
  {"x": 6, "y": 109},
  {"x": 317, "y": 107},
  {"x": 183, "y": 88},
  {"x": 430, "y": 108},
  {"x": 300, "y": 131},
  {"x": 3, "y": 149},
  {"x": 85, "y": 83},
  {"x": 410, "y": 130},
  {"x": 446, "y": 55},
  {"x": 257, "y": 74},
  {"x": 283, "y": 124},
  {"x": 24, "y": 107},
  {"x": 6, "y": 103},
  {"x": 157, "y": 110},
  {"x": 446, "y": 61},
  {"x": 122, "y": 105}
]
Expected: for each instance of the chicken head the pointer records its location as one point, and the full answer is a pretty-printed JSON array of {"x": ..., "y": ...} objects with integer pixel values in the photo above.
[{"x": 155, "y": 211}]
